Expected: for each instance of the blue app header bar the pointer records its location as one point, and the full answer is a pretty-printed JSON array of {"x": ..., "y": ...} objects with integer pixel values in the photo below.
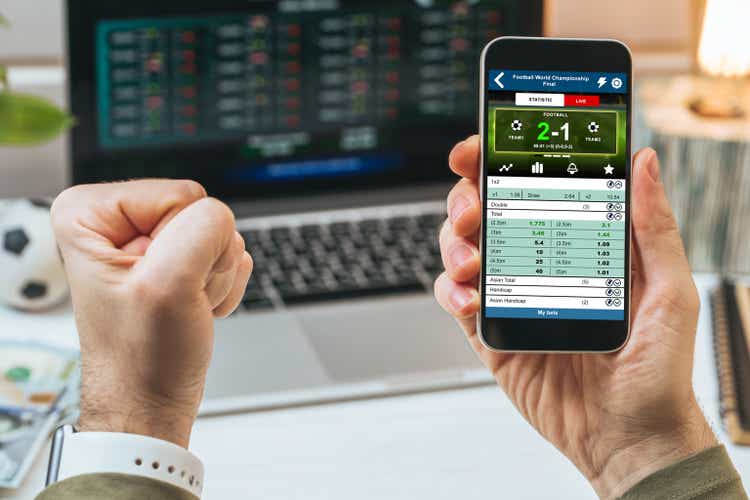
[{"x": 558, "y": 81}]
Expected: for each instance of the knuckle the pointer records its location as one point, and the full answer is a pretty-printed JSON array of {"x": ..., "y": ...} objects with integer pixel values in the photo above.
[
  {"x": 64, "y": 200},
  {"x": 692, "y": 299},
  {"x": 446, "y": 250},
  {"x": 455, "y": 191},
  {"x": 249, "y": 262},
  {"x": 64, "y": 207},
  {"x": 240, "y": 243},
  {"x": 465, "y": 183},
  {"x": 462, "y": 187},
  {"x": 188, "y": 190},
  {"x": 435, "y": 290},
  {"x": 439, "y": 284},
  {"x": 444, "y": 232},
  {"x": 466, "y": 194},
  {"x": 220, "y": 212},
  {"x": 222, "y": 219},
  {"x": 681, "y": 299}
]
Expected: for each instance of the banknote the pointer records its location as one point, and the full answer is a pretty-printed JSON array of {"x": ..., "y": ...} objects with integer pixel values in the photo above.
[{"x": 39, "y": 387}]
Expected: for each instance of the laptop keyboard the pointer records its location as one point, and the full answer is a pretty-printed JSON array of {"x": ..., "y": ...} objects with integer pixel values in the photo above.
[{"x": 342, "y": 260}]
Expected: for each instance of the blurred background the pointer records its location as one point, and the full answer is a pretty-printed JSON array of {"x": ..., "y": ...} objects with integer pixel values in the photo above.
[
  {"x": 664, "y": 37},
  {"x": 662, "y": 34}
]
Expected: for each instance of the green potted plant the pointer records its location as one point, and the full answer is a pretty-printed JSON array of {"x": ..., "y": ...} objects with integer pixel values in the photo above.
[
  {"x": 26, "y": 119},
  {"x": 32, "y": 273}
]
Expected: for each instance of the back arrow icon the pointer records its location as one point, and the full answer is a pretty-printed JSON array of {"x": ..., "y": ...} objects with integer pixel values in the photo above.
[{"x": 497, "y": 80}]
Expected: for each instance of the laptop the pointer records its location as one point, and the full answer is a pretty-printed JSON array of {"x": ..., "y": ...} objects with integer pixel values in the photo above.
[{"x": 326, "y": 126}]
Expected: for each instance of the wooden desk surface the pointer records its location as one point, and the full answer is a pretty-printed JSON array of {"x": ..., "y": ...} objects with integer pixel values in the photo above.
[{"x": 467, "y": 444}]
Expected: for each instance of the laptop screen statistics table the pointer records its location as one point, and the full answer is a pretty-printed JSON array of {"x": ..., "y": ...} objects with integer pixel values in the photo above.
[
  {"x": 169, "y": 80},
  {"x": 239, "y": 95},
  {"x": 555, "y": 217}
]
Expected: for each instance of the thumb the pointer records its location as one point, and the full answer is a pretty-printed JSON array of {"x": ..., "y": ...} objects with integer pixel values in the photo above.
[
  {"x": 655, "y": 231},
  {"x": 189, "y": 248}
]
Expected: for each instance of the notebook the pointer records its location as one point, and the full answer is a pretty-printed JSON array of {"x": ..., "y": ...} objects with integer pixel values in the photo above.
[{"x": 731, "y": 315}]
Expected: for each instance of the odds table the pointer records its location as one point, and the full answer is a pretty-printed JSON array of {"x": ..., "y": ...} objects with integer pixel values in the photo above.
[{"x": 555, "y": 237}]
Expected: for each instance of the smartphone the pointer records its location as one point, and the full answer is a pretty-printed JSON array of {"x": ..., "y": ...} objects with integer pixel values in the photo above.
[{"x": 555, "y": 120}]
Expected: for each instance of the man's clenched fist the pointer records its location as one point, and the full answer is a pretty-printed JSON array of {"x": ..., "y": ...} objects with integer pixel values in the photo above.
[{"x": 151, "y": 263}]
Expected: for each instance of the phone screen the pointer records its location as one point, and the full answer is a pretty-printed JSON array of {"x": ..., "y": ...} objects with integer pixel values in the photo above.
[{"x": 556, "y": 222}]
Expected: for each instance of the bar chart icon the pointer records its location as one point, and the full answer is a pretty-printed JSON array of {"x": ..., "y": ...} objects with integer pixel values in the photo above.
[{"x": 537, "y": 168}]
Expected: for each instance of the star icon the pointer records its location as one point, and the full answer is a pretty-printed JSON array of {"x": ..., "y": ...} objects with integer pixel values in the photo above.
[{"x": 609, "y": 170}]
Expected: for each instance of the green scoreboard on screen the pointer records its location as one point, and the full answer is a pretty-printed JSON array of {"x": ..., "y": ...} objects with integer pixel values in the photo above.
[{"x": 553, "y": 131}]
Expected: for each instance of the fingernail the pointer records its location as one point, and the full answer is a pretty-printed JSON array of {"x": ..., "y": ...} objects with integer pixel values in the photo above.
[
  {"x": 460, "y": 298},
  {"x": 652, "y": 165},
  {"x": 460, "y": 254},
  {"x": 459, "y": 205}
]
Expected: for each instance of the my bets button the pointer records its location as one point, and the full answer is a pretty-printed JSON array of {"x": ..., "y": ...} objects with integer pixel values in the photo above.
[{"x": 581, "y": 100}]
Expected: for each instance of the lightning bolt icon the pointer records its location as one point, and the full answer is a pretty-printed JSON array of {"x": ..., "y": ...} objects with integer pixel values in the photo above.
[{"x": 601, "y": 81}]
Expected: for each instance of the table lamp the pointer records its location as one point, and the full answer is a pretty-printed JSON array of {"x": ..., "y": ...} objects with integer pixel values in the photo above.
[{"x": 723, "y": 55}]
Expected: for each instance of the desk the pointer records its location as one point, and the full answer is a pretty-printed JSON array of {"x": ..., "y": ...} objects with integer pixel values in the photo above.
[{"x": 462, "y": 444}]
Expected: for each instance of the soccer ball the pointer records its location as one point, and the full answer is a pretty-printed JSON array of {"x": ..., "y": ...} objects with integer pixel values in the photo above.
[
  {"x": 593, "y": 127},
  {"x": 516, "y": 125},
  {"x": 32, "y": 277}
]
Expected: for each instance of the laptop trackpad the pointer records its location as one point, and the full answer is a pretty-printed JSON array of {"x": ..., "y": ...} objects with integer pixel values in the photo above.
[
  {"x": 372, "y": 339},
  {"x": 262, "y": 352}
]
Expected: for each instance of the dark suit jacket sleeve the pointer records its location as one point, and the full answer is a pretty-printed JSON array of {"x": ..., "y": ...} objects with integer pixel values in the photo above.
[
  {"x": 113, "y": 487},
  {"x": 708, "y": 475}
]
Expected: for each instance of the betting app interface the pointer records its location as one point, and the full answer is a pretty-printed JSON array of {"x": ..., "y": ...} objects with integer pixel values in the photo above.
[{"x": 555, "y": 222}]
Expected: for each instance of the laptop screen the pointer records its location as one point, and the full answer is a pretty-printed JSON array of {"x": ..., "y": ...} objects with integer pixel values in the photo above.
[{"x": 266, "y": 98}]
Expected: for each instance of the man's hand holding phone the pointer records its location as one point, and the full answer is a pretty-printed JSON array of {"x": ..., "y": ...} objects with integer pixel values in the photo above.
[{"x": 618, "y": 417}]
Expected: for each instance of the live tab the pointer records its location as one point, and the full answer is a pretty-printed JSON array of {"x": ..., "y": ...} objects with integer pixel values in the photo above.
[{"x": 581, "y": 100}]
